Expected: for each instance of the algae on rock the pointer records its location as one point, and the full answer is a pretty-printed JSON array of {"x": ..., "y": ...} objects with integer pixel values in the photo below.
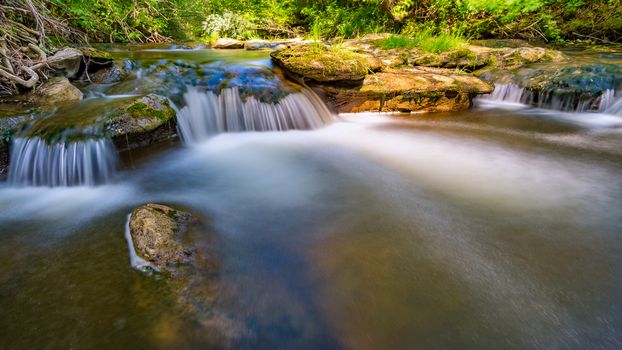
[{"x": 321, "y": 63}]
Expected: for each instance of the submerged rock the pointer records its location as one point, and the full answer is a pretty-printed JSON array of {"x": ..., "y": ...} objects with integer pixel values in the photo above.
[
  {"x": 259, "y": 44},
  {"x": 156, "y": 234},
  {"x": 177, "y": 245},
  {"x": 57, "y": 90},
  {"x": 320, "y": 63}
]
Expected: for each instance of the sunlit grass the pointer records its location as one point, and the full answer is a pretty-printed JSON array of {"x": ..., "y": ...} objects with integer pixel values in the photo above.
[{"x": 426, "y": 41}]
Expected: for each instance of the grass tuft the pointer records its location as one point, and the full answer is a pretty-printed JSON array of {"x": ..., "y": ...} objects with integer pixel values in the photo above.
[{"x": 426, "y": 41}]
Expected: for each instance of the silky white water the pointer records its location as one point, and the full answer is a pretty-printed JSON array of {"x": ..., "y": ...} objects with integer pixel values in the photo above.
[
  {"x": 207, "y": 113},
  {"x": 34, "y": 162},
  {"x": 514, "y": 94}
]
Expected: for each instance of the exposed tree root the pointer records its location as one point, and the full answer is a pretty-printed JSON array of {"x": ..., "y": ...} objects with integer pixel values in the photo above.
[{"x": 24, "y": 46}]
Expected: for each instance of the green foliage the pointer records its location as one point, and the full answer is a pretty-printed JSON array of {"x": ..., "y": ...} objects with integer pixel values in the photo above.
[
  {"x": 441, "y": 42},
  {"x": 228, "y": 24},
  {"x": 150, "y": 20},
  {"x": 345, "y": 18},
  {"x": 117, "y": 20},
  {"x": 397, "y": 42}
]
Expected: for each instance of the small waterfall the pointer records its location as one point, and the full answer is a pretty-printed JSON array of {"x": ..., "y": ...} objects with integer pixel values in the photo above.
[
  {"x": 615, "y": 108},
  {"x": 513, "y": 93},
  {"x": 208, "y": 113},
  {"x": 607, "y": 99},
  {"x": 34, "y": 162},
  {"x": 507, "y": 93}
]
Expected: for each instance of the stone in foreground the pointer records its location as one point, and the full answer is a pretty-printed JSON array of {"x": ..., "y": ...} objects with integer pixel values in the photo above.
[{"x": 155, "y": 231}]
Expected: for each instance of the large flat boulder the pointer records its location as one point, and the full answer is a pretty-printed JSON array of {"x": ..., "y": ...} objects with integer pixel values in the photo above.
[
  {"x": 320, "y": 63},
  {"x": 228, "y": 44}
]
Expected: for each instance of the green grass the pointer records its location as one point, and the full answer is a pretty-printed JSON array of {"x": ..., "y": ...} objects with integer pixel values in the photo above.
[
  {"x": 426, "y": 41},
  {"x": 440, "y": 43},
  {"x": 397, "y": 42}
]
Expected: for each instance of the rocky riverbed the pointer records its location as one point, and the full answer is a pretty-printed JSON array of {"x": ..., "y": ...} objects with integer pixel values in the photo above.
[{"x": 355, "y": 75}]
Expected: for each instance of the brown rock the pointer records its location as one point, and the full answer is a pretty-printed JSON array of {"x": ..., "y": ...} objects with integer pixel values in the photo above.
[
  {"x": 57, "y": 90},
  {"x": 408, "y": 90},
  {"x": 226, "y": 43},
  {"x": 155, "y": 231}
]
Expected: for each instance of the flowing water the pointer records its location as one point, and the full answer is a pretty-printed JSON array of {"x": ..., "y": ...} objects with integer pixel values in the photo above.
[{"x": 498, "y": 227}]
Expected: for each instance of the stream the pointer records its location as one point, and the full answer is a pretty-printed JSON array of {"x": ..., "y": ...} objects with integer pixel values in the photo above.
[{"x": 499, "y": 227}]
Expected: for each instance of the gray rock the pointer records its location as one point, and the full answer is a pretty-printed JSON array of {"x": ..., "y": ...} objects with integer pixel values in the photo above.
[{"x": 66, "y": 61}]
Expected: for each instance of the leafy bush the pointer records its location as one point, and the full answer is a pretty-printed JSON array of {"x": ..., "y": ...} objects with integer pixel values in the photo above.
[
  {"x": 231, "y": 25},
  {"x": 151, "y": 20}
]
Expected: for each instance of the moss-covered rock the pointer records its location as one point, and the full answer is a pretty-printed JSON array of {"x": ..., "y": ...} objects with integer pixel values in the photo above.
[
  {"x": 320, "y": 63},
  {"x": 139, "y": 116},
  {"x": 96, "y": 55},
  {"x": 131, "y": 122}
]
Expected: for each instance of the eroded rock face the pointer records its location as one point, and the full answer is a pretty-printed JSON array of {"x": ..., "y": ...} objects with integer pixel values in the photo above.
[
  {"x": 325, "y": 64},
  {"x": 408, "y": 90},
  {"x": 156, "y": 233},
  {"x": 57, "y": 90}
]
